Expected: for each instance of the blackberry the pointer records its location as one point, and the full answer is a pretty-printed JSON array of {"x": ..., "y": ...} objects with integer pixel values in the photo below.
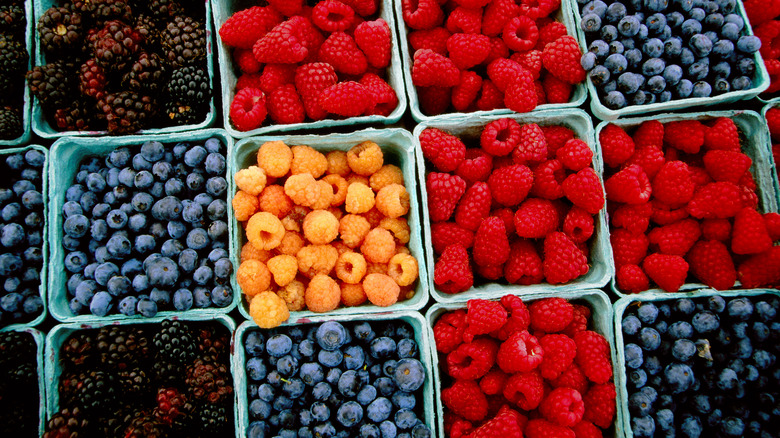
[
  {"x": 147, "y": 28},
  {"x": 78, "y": 351},
  {"x": 188, "y": 93},
  {"x": 18, "y": 365},
  {"x": 12, "y": 19},
  {"x": 213, "y": 418},
  {"x": 180, "y": 113},
  {"x": 15, "y": 347},
  {"x": 10, "y": 124},
  {"x": 19, "y": 418},
  {"x": 208, "y": 382},
  {"x": 163, "y": 10},
  {"x": 114, "y": 423},
  {"x": 115, "y": 45},
  {"x": 213, "y": 344},
  {"x": 53, "y": 84},
  {"x": 173, "y": 409},
  {"x": 122, "y": 347},
  {"x": 175, "y": 342},
  {"x": 13, "y": 56},
  {"x": 167, "y": 373},
  {"x": 106, "y": 10},
  {"x": 134, "y": 382},
  {"x": 144, "y": 425},
  {"x": 184, "y": 41},
  {"x": 61, "y": 31},
  {"x": 78, "y": 116},
  {"x": 145, "y": 74},
  {"x": 92, "y": 79},
  {"x": 68, "y": 423},
  {"x": 92, "y": 391},
  {"x": 127, "y": 112}
]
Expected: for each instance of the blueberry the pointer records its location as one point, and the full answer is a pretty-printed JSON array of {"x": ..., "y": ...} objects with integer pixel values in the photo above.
[
  {"x": 217, "y": 209},
  {"x": 174, "y": 187},
  {"x": 167, "y": 209},
  {"x": 733, "y": 426},
  {"x": 320, "y": 411},
  {"x": 599, "y": 47},
  {"x": 599, "y": 75},
  {"x": 748, "y": 44},
  {"x": 147, "y": 307},
  {"x": 763, "y": 359},
  {"x": 639, "y": 404},
  {"x": 596, "y": 7},
  {"x": 590, "y": 23},
  {"x": 201, "y": 297},
  {"x": 679, "y": 377},
  {"x": 278, "y": 345},
  {"x": 152, "y": 151},
  {"x": 195, "y": 156},
  {"x": 616, "y": 47},
  {"x": 683, "y": 350},
  {"x": 379, "y": 410},
  {"x": 649, "y": 339},
  {"x": 171, "y": 248},
  {"x": 628, "y": 26},
  {"x": 259, "y": 409},
  {"x": 633, "y": 355},
  {"x": 653, "y": 66},
  {"x": 741, "y": 83},
  {"x": 161, "y": 297},
  {"x": 197, "y": 239},
  {"x": 740, "y": 309},
  {"x": 217, "y": 230},
  {"x": 162, "y": 272},
  {"x": 700, "y": 45}
]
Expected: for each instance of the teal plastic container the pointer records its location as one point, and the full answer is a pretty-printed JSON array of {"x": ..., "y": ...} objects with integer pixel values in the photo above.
[
  {"x": 45, "y": 247},
  {"x": 760, "y": 81},
  {"x": 28, "y": 39},
  {"x": 39, "y": 344},
  {"x": 601, "y": 322},
  {"x": 774, "y": 103},
  {"x": 224, "y": 9},
  {"x": 70, "y": 151},
  {"x": 60, "y": 333},
  {"x": 564, "y": 15},
  {"x": 398, "y": 148},
  {"x": 43, "y": 128},
  {"x": 752, "y": 127},
  {"x": 601, "y": 267},
  {"x": 621, "y": 378},
  {"x": 422, "y": 337}
]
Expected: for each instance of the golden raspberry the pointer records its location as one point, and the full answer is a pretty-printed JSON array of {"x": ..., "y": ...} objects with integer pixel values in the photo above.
[
  {"x": 302, "y": 189},
  {"x": 340, "y": 247},
  {"x": 320, "y": 227},
  {"x": 251, "y": 180},
  {"x": 249, "y": 252},
  {"x": 381, "y": 290},
  {"x": 275, "y": 157},
  {"x": 317, "y": 259},
  {"x": 264, "y": 230},
  {"x": 337, "y": 163},
  {"x": 365, "y": 158},
  {"x": 353, "y": 229},
  {"x": 399, "y": 227},
  {"x": 307, "y": 160},
  {"x": 354, "y": 177},
  {"x": 376, "y": 268},
  {"x": 294, "y": 295},
  {"x": 352, "y": 294},
  {"x": 388, "y": 174},
  {"x": 351, "y": 267},
  {"x": 253, "y": 277},
  {"x": 322, "y": 294},
  {"x": 339, "y": 186},
  {"x": 268, "y": 310},
  {"x": 337, "y": 212},
  {"x": 402, "y": 250},
  {"x": 244, "y": 205},
  {"x": 393, "y": 201},
  {"x": 292, "y": 242},
  {"x": 374, "y": 217},
  {"x": 284, "y": 269},
  {"x": 402, "y": 268},
  {"x": 378, "y": 246},
  {"x": 324, "y": 196},
  {"x": 294, "y": 220},
  {"x": 360, "y": 198},
  {"x": 274, "y": 200}
]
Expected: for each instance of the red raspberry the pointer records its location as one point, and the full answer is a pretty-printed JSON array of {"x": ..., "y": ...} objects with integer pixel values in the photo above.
[
  {"x": 616, "y": 145},
  {"x": 550, "y": 315},
  {"x": 759, "y": 11},
  {"x": 773, "y": 121},
  {"x": 285, "y": 106},
  {"x": 342, "y": 52},
  {"x": 506, "y": 423},
  {"x": 276, "y": 75},
  {"x": 288, "y": 8},
  {"x": 430, "y": 69},
  {"x": 497, "y": 50},
  {"x": 383, "y": 94},
  {"x": 649, "y": 158},
  {"x": 550, "y": 32},
  {"x": 448, "y": 331},
  {"x": 541, "y": 98},
  {"x": 248, "y": 111},
  {"x": 348, "y": 99},
  {"x": 483, "y": 317},
  {"x": 490, "y": 97},
  {"x": 503, "y": 72},
  {"x": 520, "y": 95},
  {"x": 332, "y": 16},
  {"x": 444, "y": 192},
  {"x": 772, "y": 222},
  {"x": 510, "y": 185},
  {"x": 530, "y": 60},
  {"x": 593, "y": 356},
  {"x": 500, "y": 137},
  {"x": 717, "y": 229},
  {"x": 245, "y": 27},
  {"x": 444, "y": 150},
  {"x": 464, "y": 95},
  {"x": 250, "y": 80},
  {"x": 584, "y": 190},
  {"x": 374, "y": 39},
  {"x": 761, "y": 269},
  {"x": 475, "y": 167},
  {"x": 537, "y": 9},
  {"x": 634, "y": 218},
  {"x": 628, "y": 248},
  {"x": 548, "y": 179},
  {"x": 520, "y": 353},
  {"x": 493, "y": 382},
  {"x": 490, "y": 272},
  {"x": 444, "y": 234},
  {"x": 524, "y": 265},
  {"x": 710, "y": 262},
  {"x": 667, "y": 271},
  {"x": 521, "y": 34},
  {"x": 283, "y": 44},
  {"x": 561, "y": 58},
  {"x": 722, "y": 135},
  {"x": 364, "y": 8},
  {"x": 685, "y": 135},
  {"x": 768, "y": 34},
  {"x": 452, "y": 272},
  {"x": 727, "y": 166},
  {"x": 433, "y": 39},
  {"x": 556, "y": 90},
  {"x": 491, "y": 246},
  {"x": 663, "y": 215},
  {"x": 508, "y": 217},
  {"x": 497, "y": 14},
  {"x": 579, "y": 322},
  {"x": 571, "y": 377},
  {"x": 468, "y": 50},
  {"x": 575, "y": 155},
  {"x": 455, "y": 426},
  {"x": 464, "y": 20},
  {"x": 676, "y": 238},
  {"x": 525, "y": 390},
  {"x": 699, "y": 175},
  {"x": 532, "y": 147},
  {"x": 773, "y": 68},
  {"x": 422, "y": 14},
  {"x": 673, "y": 184},
  {"x": 585, "y": 429},
  {"x": 748, "y": 181},
  {"x": 472, "y": 3},
  {"x": 536, "y": 218},
  {"x": 563, "y": 406},
  {"x": 518, "y": 319},
  {"x": 464, "y": 398},
  {"x": 474, "y": 206},
  {"x": 311, "y": 79},
  {"x": 631, "y": 279},
  {"x": 313, "y": 108},
  {"x": 472, "y": 361},
  {"x": 715, "y": 200},
  {"x": 649, "y": 134},
  {"x": 630, "y": 186},
  {"x": 748, "y": 197},
  {"x": 600, "y": 406},
  {"x": 578, "y": 225},
  {"x": 559, "y": 352},
  {"x": 434, "y": 100},
  {"x": 749, "y": 235},
  {"x": 540, "y": 428},
  {"x": 243, "y": 57}
]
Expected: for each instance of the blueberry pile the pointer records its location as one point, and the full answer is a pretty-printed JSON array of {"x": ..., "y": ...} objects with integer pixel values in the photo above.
[
  {"x": 647, "y": 51},
  {"x": 703, "y": 367},
  {"x": 333, "y": 380},
  {"x": 145, "y": 230},
  {"x": 21, "y": 235}
]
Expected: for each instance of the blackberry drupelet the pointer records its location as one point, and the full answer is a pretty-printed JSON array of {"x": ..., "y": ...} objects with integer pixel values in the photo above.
[
  {"x": 61, "y": 31},
  {"x": 92, "y": 79},
  {"x": 173, "y": 409},
  {"x": 148, "y": 29},
  {"x": 115, "y": 45},
  {"x": 188, "y": 94},
  {"x": 69, "y": 423},
  {"x": 213, "y": 344},
  {"x": 10, "y": 124},
  {"x": 80, "y": 115},
  {"x": 78, "y": 351},
  {"x": 13, "y": 56},
  {"x": 53, "y": 84},
  {"x": 144, "y": 425},
  {"x": 15, "y": 346},
  {"x": 180, "y": 113},
  {"x": 175, "y": 342},
  {"x": 19, "y": 386},
  {"x": 127, "y": 112},
  {"x": 208, "y": 382},
  {"x": 134, "y": 382},
  {"x": 213, "y": 418},
  {"x": 163, "y": 10},
  {"x": 184, "y": 41},
  {"x": 12, "y": 19},
  {"x": 106, "y": 10},
  {"x": 94, "y": 391},
  {"x": 122, "y": 348},
  {"x": 145, "y": 74}
]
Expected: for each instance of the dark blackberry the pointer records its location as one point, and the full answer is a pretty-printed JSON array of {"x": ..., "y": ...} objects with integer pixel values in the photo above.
[
  {"x": 12, "y": 19},
  {"x": 208, "y": 382},
  {"x": 213, "y": 344},
  {"x": 93, "y": 391},
  {"x": 68, "y": 423},
  {"x": 190, "y": 85},
  {"x": 13, "y": 56},
  {"x": 92, "y": 79},
  {"x": 127, "y": 112},
  {"x": 53, "y": 84},
  {"x": 167, "y": 373},
  {"x": 184, "y": 41},
  {"x": 121, "y": 347},
  {"x": 106, "y": 10},
  {"x": 175, "y": 342},
  {"x": 148, "y": 29},
  {"x": 213, "y": 418},
  {"x": 18, "y": 365},
  {"x": 20, "y": 417},
  {"x": 78, "y": 351},
  {"x": 145, "y": 74},
  {"x": 135, "y": 383},
  {"x": 181, "y": 114},
  {"x": 114, "y": 423},
  {"x": 10, "y": 124},
  {"x": 163, "y": 10},
  {"x": 173, "y": 409},
  {"x": 80, "y": 115},
  {"x": 15, "y": 348},
  {"x": 115, "y": 45},
  {"x": 61, "y": 31},
  {"x": 144, "y": 425}
]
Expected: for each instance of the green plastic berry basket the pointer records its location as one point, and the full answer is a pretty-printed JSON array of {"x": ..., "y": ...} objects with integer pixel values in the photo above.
[
  {"x": 753, "y": 128},
  {"x": 620, "y": 307},
  {"x": 44, "y": 128},
  {"x": 398, "y": 148},
  {"x": 774, "y": 103},
  {"x": 564, "y": 15},
  {"x": 224, "y": 9},
  {"x": 28, "y": 39},
  {"x": 45, "y": 247},
  {"x": 39, "y": 359},
  {"x": 421, "y": 336},
  {"x": 70, "y": 151},
  {"x": 760, "y": 82},
  {"x": 61, "y": 332},
  {"x": 601, "y": 269},
  {"x": 601, "y": 322}
]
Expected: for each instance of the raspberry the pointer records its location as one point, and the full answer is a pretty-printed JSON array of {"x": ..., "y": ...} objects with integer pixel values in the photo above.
[
  {"x": 559, "y": 352},
  {"x": 490, "y": 272},
  {"x": 302, "y": 189},
  {"x": 563, "y": 406},
  {"x": 275, "y": 76},
  {"x": 348, "y": 99},
  {"x": 465, "y": 93},
  {"x": 536, "y": 218},
  {"x": 322, "y": 294},
  {"x": 483, "y": 317},
  {"x": 284, "y": 268},
  {"x": 285, "y": 106},
  {"x": 584, "y": 190},
  {"x": 245, "y": 27},
  {"x": 710, "y": 262},
  {"x": 292, "y": 242},
  {"x": 524, "y": 266},
  {"x": 506, "y": 215},
  {"x": 676, "y": 238},
  {"x": 760, "y": 269},
  {"x": 332, "y": 16},
  {"x": 308, "y": 160},
  {"x": 716, "y": 229},
  {"x": 541, "y": 98},
  {"x": 342, "y": 52},
  {"x": 749, "y": 235},
  {"x": 628, "y": 248},
  {"x": 464, "y": 398},
  {"x": 444, "y": 192},
  {"x": 526, "y": 390},
  {"x": 464, "y": 20},
  {"x": 578, "y": 225},
  {"x": 403, "y": 269},
  {"x": 422, "y": 14},
  {"x": 520, "y": 352},
  {"x": 699, "y": 175},
  {"x": 572, "y": 377},
  {"x": 249, "y": 252},
  {"x": 364, "y": 8},
  {"x": 444, "y": 234},
  {"x": 497, "y": 14},
  {"x": 549, "y": 33},
  {"x": 393, "y": 201},
  {"x": 719, "y": 200},
  {"x": 474, "y": 206},
  {"x": 250, "y": 180},
  {"x": 378, "y": 246},
  {"x": 433, "y": 39},
  {"x": 530, "y": 60},
  {"x": 476, "y": 166},
  {"x": 540, "y": 428},
  {"x": 773, "y": 121},
  {"x": 772, "y": 221},
  {"x": 352, "y": 294},
  {"x": 722, "y": 135},
  {"x": 500, "y": 137},
  {"x": 585, "y": 429},
  {"x": 374, "y": 217},
  {"x": 311, "y": 79},
  {"x": 631, "y": 279},
  {"x": 616, "y": 145},
  {"x": 673, "y": 184},
  {"x": 444, "y": 150},
  {"x": 518, "y": 317},
  {"x": 244, "y": 205},
  {"x": 490, "y": 97},
  {"x": 667, "y": 271},
  {"x": 575, "y": 155},
  {"x": 630, "y": 186},
  {"x": 593, "y": 356},
  {"x": 503, "y": 72},
  {"x": 727, "y": 166},
  {"x": 685, "y": 135},
  {"x": 663, "y": 215},
  {"x": 381, "y": 290},
  {"x": 244, "y": 58},
  {"x": 268, "y": 310},
  {"x": 579, "y": 322},
  {"x": 491, "y": 246},
  {"x": 650, "y": 133},
  {"x": 275, "y": 158},
  {"x": 556, "y": 90},
  {"x": 649, "y": 158},
  {"x": 467, "y": 50},
  {"x": 384, "y": 96},
  {"x": 472, "y": 361},
  {"x": 264, "y": 230},
  {"x": 432, "y": 69},
  {"x": 452, "y": 272},
  {"x": 448, "y": 331},
  {"x": 320, "y": 227},
  {"x": 282, "y": 44},
  {"x": 351, "y": 267},
  {"x": 561, "y": 58},
  {"x": 507, "y": 422},
  {"x": 339, "y": 187},
  {"x": 532, "y": 147},
  {"x": 600, "y": 405},
  {"x": 520, "y": 95},
  {"x": 365, "y": 158},
  {"x": 563, "y": 260},
  {"x": 286, "y": 7},
  {"x": 538, "y": 9},
  {"x": 760, "y": 11},
  {"x": 248, "y": 109},
  {"x": 493, "y": 381},
  {"x": 360, "y": 198},
  {"x": 317, "y": 259},
  {"x": 510, "y": 185},
  {"x": 521, "y": 34},
  {"x": 253, "y": 277},
  {"x": 548, "y": 178},
  {"x": 399, "y": 227},
  {"x": 434, "y": 100},
  {"x": 550, "y": 315},
  {"x": 249, "y": 80}
]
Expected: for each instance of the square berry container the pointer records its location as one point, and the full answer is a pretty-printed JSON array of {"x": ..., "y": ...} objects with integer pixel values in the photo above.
[
  {"x": 44, "y": 128},
  {"x": 398, "y": 148},
  {"x": 29, "y": 30},
  {"x": 42, "y": 288},
  {"x": 601, "y": 268},
  {"x": 774, "y": 103},
  {"x": 70, "y": 151},
  {"x": 760, "y": 81},
  {"x": 601, "y": 319},
  {"x": 752, "y": 127},
  {"x": 422, "y": 337},
  {"x": 564, "y": 15},
  {"x": 224, "y": 9},
  {"x": 621, "y": 375},
  {"x": 38, "y": 337}
]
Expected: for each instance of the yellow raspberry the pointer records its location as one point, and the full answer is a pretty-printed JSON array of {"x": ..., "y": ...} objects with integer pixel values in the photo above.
[
  {"x": 253, "y": 277},
  {"x": 268, "y": 310},
  {"x": 324, "y": 196},
  {"x": 376, "y": 268},
  {"x": 284, "y": 269},
  {"x": 275, "y": 157},
  {"x": 365, "y": 158},
  {"x": 292, "y": 242},
  {"x": 337, "y": 163},
  {"x": 339, "y": 186},
  {"x": 294, "y": 295},
  {"x": 320, "y": 227},
  {"x": 351, "y": 267},
  {"x": 317, "y": 259},
  {"x": 354, "y": 177},
  {"x": 393, "y": 201},
  {"x": 340, "y": 247},
  {"x": 307, "y": 160},
  {"x": 302, "y": 189},
  {"x": 381, "y": 290},
  {"x": 402, "y": 268},
  {"x": 402, "y": 250},
  {"x": 274, "y": 200},
  {"x": 322, "y": 294},
  {"x": 251, "y": 180},
  {"x": 294, "y": 219},
  {"x": 244, "y": 205},
  {"x": 360, "y": 198},
  {"x": 378, "y": 246},
  {"x": 337, "y": 212},
  {"x": 388, "y": 174},
  {"x": 249, "y": 252},
  {"x": 264, "y": 230},
  {"x": 352, "y": 294},
  {"x": 399, "y": 227},
  {"x": 374, "y": 217},
  {"x": 353, "y": 229}
]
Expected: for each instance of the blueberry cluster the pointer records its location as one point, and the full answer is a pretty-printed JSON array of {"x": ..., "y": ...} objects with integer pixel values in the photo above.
[
  {"x": 647, "y": 51},
  {"x": 21, "y": 235},
  {"x": 145, "y": 229},
  {"x": 703, "y": 367},
  {"x": 335, "y": 380}
]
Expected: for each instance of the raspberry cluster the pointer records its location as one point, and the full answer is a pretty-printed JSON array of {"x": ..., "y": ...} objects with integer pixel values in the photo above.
[
  {"x": 763, "y": 16},
  {"x": 480, "y": 55},
  {"x": 520, "y": 207},
  {"x": 516, "y": 370},
  {"x": 297, "y": 62},
  {"x": 773, "y": 122},
  {"x": 322, "y": 230},
  {"x": 683, "y": 207}
]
